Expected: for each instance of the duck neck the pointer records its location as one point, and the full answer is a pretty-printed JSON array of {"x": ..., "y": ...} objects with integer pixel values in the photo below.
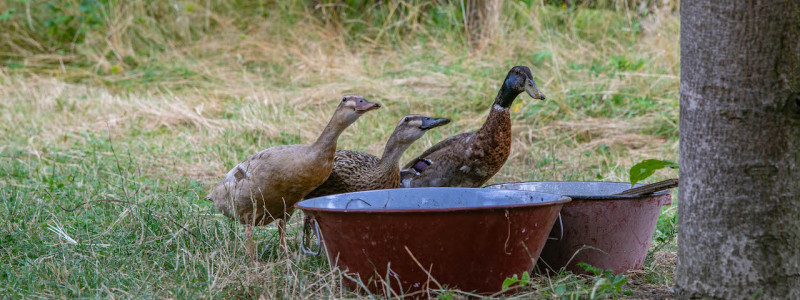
[
  {"x": 326, "y": 142},
  {"x": 499, "y": 116},
  {"x": 391, "y": 154},
  {"x": 505, "y": 97},
  {"x": 499, "y": 120}
]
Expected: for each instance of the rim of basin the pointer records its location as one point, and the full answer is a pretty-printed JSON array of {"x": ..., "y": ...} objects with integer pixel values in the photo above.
[
  {"x": 430, "y": 199},
  {"x": 605, "y": 195}
]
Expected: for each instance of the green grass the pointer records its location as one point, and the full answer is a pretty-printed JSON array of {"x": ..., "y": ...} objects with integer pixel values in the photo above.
[{"x": 117, "y": 118}]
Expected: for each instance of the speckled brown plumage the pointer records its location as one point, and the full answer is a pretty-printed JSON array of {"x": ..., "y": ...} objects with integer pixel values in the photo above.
[
  {"x": 265, "y": 186},
  {"x": 470, "y": 159},
  {"x": 357, "y": 171}
]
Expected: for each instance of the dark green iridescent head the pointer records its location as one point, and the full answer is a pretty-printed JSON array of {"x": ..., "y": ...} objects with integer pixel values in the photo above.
[{"x": 518, "y": 80}]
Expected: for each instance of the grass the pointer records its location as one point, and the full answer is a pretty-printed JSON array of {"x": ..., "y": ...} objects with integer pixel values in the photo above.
[{"x": 119, "y": 117}]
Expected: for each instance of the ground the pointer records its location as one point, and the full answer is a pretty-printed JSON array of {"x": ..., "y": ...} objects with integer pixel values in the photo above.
[{"x": 110, "y": 138}]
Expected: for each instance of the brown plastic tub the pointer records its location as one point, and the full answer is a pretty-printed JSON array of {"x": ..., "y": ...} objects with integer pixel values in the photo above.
[
  {"x": 611, "y": 232},
  {"x": 465, "y": 238}
]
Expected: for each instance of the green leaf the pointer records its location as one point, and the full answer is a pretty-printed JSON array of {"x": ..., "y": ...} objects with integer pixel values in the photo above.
[
  {"x": 561, "y": 289},
  {"x": 590, "y": 268},
  {"x": 510, "y": 281},
  {"x": 619, "y": 279},
  {"x": 7, "y": 15},
  {"x": 526, "y": 278},
  {"x": 647, "y": 167}
]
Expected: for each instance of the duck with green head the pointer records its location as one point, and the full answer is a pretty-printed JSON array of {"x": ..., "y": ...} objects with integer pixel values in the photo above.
[{"x": 472, "y": 158}]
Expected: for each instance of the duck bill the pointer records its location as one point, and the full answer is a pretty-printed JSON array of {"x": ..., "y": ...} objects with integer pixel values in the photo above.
[
  {"x": 533, "y": 91},
  {"x": 366, "y": 106},
  {"x": 428, "y": 123}
]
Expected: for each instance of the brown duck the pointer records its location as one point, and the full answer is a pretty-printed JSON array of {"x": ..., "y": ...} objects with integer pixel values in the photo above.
[
  {"x": 265, "y": 186},
  {"x": 472, "y": 158},
  {"x": 358, "y": 171}
]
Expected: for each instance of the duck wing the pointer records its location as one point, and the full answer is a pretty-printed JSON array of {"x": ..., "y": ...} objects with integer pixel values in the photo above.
[
  {"x": 347, "y": 168},
  {"x": 433, "y": 151},
  {"x": 241, "y": 179},
  {"x": 347, "y": 160}
]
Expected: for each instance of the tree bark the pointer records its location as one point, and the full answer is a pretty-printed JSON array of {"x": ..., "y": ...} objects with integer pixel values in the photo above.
[
  {"x": 483, "y": 19},
  {"x": 739, "y": 213}
]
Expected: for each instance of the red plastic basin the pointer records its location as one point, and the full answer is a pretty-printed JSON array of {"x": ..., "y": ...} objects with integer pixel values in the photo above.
[
  {"x": 606, "y": 231},
  {"x": 465, "y": 238}
]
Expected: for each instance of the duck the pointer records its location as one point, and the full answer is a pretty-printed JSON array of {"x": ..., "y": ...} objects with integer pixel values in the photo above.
[
  {"x": 355, "y": 171},
  {"x": 264, "y": 187},
  {"x": 470, "y": 159}
]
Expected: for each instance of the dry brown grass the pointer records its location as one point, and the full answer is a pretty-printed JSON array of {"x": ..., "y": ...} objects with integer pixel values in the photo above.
[{"x": 221, "y": 89}]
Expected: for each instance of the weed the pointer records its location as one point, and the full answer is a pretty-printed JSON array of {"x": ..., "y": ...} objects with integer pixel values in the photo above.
[
  {"x": 601, "y": 284},
  {"x": 666, "y": 228},
  {"x": 605, "y": 282}
]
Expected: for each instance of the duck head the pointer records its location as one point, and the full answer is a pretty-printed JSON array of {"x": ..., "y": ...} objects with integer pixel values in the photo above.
[
  {"x": 351, "y": 107},
  {"x": 412, "y": 127},
  {"x": 518, "y": 80}
]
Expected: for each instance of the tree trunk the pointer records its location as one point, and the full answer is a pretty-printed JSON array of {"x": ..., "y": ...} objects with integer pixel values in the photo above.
[
  {"x": 483, "y": 19},
  {"x": 739, "y": 213}
]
